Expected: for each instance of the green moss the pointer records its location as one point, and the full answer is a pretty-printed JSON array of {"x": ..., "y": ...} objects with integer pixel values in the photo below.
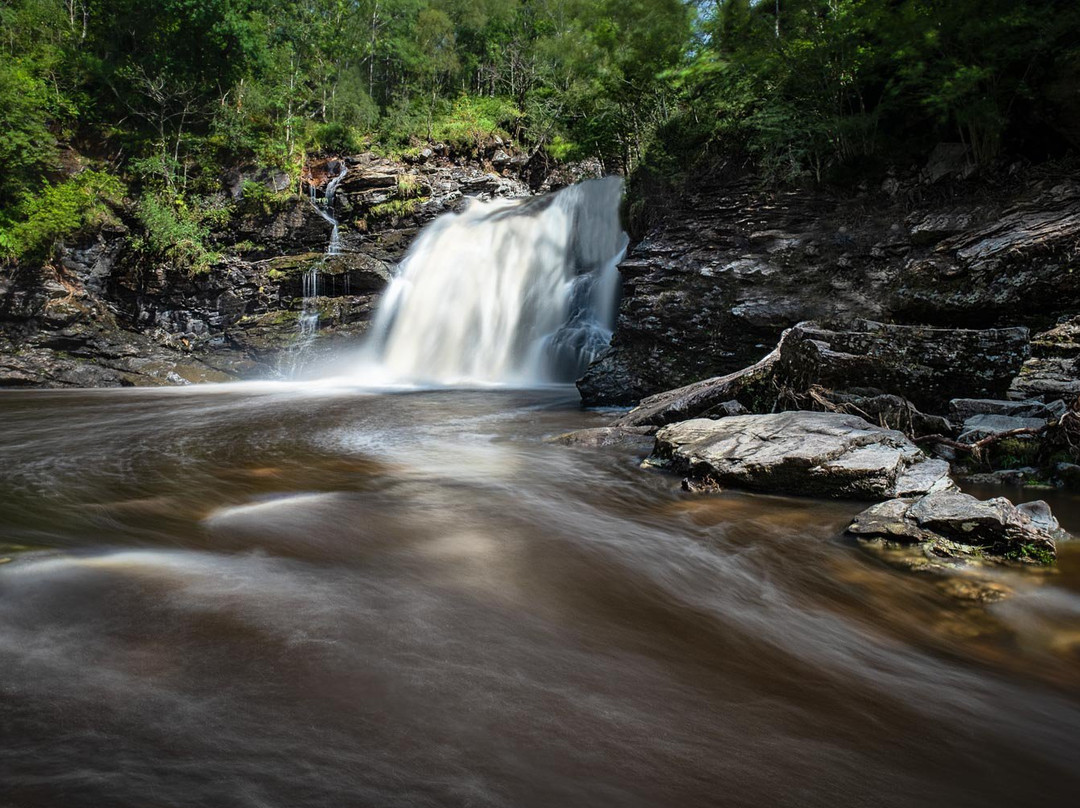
[
  {"x": 1030, "y": 552},
  {"x": 408, "y": 186},
  {"x": 396, "y": 208},
  {"x": 271, "y": 318}
]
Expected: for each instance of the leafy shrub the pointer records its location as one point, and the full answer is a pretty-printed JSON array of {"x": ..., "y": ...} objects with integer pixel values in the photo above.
[
  {"x": 174, "y": 232},
  {"x": 473, "y": 119},
  {"x": 335, "y": 137},
  {"x": 59, "y": 211}
]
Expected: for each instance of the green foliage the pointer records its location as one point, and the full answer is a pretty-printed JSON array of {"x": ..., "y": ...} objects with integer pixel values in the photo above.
[
  {"x": 831, "y": 83},
  {"x": 1030, "y": 552},
  {"x": 59, "y": 211},
  {"x": 175, "y": 233},
  {"x": 408, "y": 187},
  {"x": 176, "y": 91},
  {"x": 472, "y": 120}
]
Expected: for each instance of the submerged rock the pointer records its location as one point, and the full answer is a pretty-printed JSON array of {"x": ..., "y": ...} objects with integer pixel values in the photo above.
[
  {"x": 953, "y": 525},
  {"x": 811, "y": 453},
  {"x": 596, "y": 437}
]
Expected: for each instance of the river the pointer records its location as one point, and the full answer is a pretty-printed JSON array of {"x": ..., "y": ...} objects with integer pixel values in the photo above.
[{"x": 312, "y": 595}]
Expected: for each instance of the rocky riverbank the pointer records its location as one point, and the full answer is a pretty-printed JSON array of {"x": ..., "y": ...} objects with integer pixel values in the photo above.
[{"x": 878, "y": 345}]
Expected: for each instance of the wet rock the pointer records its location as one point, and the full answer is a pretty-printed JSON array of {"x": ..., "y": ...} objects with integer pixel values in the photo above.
[
  {"x": 1047, "y": 378},
  {"x": 1067, "y": 475},
  {"x": 596, "y": 437},
  {"x": 1053, "y": 371},
  {"x": 928, "y": 366},
  {"x": 1061, "y": 340},
  {"x": 1012, "y": 477},
  {"x": 954, "y": 525},
  {"x": 810, "y": 453},
  {"x": 1040, "y": 515}
]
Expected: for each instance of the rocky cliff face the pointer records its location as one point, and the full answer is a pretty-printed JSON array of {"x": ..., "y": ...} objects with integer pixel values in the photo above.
[
  {"x": 710, "y": 290},
  {"x": 98, "y": 315}
]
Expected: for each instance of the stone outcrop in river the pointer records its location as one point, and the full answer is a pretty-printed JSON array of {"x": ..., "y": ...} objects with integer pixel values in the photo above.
[
  {"x": 950, "y": 525},
  {"x": 810, "y": 453},
  {"x": 828, "y": 454}
]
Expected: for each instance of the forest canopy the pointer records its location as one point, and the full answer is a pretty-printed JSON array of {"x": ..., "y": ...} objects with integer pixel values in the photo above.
[{"x": 162, "y": 97}]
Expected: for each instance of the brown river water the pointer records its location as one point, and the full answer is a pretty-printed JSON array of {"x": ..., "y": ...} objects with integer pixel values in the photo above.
[{"x": 289, "y": 596}]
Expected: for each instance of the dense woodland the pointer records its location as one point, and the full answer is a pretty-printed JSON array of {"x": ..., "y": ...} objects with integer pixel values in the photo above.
[{"x": 109, "y": 105}]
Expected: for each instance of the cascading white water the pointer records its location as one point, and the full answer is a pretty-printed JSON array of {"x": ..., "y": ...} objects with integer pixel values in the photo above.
[
  {"x": 507, "y": 291},
  {"x": 308, "y": 322}
]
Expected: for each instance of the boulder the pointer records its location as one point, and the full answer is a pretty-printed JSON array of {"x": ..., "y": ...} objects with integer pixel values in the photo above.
[
  {"x": 1048, "y": 378},
  {"x": 813, "y": 453},
  {"x": 952, "y": 524},
  {"x": 988, "y": 425},
  {"x": 961, "y": 409},
  {"x": 928, "y": 366},
  {"x": 1053, "y": 371}
]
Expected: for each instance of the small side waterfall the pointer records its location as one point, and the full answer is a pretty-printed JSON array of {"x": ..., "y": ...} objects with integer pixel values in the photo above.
[
  {"x": 507, "y": 291},
  {"x": 308, "y": 322}
]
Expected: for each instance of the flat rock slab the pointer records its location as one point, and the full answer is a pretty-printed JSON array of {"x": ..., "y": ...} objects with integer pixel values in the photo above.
[
  {"x": 811, "y": 453},
  {"x": 987, "y": 425},
  {"x": 961, "y": 409}
]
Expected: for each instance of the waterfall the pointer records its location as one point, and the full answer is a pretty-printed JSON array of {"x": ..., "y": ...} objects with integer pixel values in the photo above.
[
  {"x": 308, "y": 322},
  {"x": 507, "y": 291}
]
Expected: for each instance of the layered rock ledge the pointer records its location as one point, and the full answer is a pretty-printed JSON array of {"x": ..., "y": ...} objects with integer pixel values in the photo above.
[{"x": 928, "y": 366}]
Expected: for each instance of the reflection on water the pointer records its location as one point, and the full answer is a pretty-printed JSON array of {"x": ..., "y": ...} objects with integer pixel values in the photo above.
[{"x": 272, "y": 597}]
